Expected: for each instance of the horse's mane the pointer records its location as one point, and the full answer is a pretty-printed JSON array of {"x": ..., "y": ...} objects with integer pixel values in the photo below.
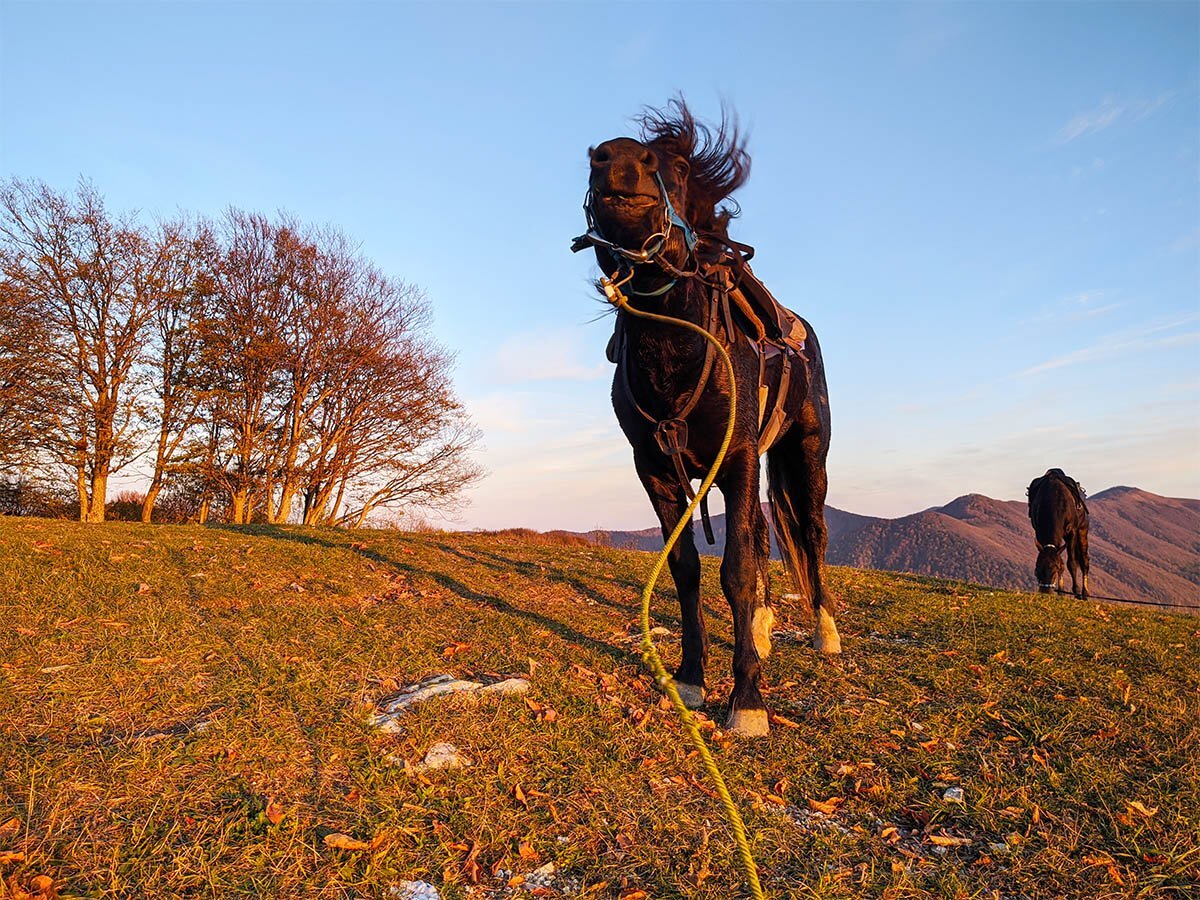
[{"x": 717, "y": 158}]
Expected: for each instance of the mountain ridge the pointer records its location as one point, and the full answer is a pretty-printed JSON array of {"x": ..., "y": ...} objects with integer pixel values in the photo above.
[{"x": 1143, "y": 546}]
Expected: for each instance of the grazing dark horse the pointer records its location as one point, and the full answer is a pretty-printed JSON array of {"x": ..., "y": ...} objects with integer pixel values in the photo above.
[
  {"x": 653, "y": 217},
  {"x": 1060, "y": 522}
]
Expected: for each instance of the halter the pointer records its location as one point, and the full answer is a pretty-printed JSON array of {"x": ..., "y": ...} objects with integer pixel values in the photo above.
[{"x": 652, "y": 247}]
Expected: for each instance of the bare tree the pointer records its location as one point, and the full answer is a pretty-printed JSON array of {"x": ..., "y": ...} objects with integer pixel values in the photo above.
[
  {"x": 392, "y": 432},
  {"x": 243, "y": 346},
  {"x": 92, "y": 279},
  {"x": 173, "y": 357},
  {"x": 28, "y": 380}
]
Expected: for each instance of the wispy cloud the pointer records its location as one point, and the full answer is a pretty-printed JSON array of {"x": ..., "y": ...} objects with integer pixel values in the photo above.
[
  {"x": 551, "y": 355},
  {"x": 1077, "y": 307},
  {"x": 1122, "y": 344},
  {"x": 1107, "y": 114}
]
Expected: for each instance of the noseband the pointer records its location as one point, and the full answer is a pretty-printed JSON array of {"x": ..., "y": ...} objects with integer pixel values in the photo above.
[{"x": 652, "y": 247}]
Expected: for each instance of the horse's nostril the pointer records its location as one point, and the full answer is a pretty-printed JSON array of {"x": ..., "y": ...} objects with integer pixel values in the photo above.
[
  {"x": 601, "y": 156},
  {"x": 649, "y": 160}
]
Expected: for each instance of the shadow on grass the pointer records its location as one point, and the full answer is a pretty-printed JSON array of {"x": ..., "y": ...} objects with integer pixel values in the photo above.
[
  {"x": 561, "y": 576},
  {"x": 450, "y": 583}
]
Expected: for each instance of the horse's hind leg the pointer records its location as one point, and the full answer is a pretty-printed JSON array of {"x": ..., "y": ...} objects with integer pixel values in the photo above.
[
  {"x": 684, "y": 562},
  {"x": 1073, "y": 563},
  {"x": 796, "y": 469},
  {"x": 1081, "y": 559},
  {"x": 815, "y": 535},
  {"x": 764, "y": 615}
]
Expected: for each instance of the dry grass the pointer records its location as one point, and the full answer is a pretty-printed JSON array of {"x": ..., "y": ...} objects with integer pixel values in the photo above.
[{"x": 181, "y": 715}]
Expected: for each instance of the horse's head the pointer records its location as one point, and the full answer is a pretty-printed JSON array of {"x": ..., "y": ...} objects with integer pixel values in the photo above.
[
  {"x": 1049, "y": 567},
  {"x": 634, "y": 194},
  {"x": 655, "y": 200}
]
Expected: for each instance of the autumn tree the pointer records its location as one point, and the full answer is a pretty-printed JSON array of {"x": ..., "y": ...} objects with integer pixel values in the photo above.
[
  {"x": 242, "y": 348},
  {"x": 28, "y": 380},
  {"x": 92, "y": 280},
  {"x": 174, "y": 372},
  {"x": 392, "y": 433}
]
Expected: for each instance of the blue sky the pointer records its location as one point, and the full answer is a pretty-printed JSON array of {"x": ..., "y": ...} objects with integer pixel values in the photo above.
[{"x": 989, "y": 212}]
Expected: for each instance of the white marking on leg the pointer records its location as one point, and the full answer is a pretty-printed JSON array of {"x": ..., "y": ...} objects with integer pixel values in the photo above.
[
  {"x": 760, "y": 627},
  {"x": 748, "y": 723},
  {"x": 826, "y": 639}
]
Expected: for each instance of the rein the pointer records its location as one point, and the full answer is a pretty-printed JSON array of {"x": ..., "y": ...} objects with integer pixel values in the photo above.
[
  {"x": 650, "y": 655},
  {"x": 671, "y": 433}
]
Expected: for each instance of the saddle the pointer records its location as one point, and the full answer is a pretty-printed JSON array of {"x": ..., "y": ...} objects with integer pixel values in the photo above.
[
  {"x": 775, "y": 333},
  {"x": 1073, "y": 486}
]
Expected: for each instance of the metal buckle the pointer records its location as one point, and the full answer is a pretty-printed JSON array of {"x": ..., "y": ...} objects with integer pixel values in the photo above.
[{"x": 672, "y": 436}]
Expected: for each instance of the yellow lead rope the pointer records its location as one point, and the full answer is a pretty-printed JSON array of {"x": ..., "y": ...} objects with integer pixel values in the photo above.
[{"x": 649, "y": 651}]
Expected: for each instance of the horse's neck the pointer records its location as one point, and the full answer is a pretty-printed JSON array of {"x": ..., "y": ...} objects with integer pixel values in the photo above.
[{"x": 668, "y": 356}]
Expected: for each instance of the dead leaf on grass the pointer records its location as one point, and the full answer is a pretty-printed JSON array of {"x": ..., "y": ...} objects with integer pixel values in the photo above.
[
  {"x": 344, "y": 842},
  {"x": 1138, "y": 807},
  {"x": 828, "y": 807},
  {"x": 274, "y": 812},
  {"x": 947, "y": 840},
  {"x": 11, "y": 856},
  {"x": 10, "y": 828}
]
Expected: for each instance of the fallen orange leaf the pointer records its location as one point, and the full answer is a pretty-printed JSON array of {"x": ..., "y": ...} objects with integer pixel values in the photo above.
[
  {"x": 345, "y": 842},
  {"x": 829, "y": 807}
]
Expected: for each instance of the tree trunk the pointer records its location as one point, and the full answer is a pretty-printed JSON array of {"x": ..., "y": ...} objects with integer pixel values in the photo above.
[
  {"x": 148, "y": 502},
  {"x": 99, "y": 495},
  {"x": 238, "y": 507}
]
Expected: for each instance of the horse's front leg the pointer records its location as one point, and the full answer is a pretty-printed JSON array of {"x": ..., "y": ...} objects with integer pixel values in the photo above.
[
  {"x": 739, "y": 580},
  {"x": 1073, "y": 564},
  {"x": 666, "y": 493}
]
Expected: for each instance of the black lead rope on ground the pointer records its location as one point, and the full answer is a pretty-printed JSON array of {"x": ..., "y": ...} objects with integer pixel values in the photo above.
[{"x": 1157, "y": 603}]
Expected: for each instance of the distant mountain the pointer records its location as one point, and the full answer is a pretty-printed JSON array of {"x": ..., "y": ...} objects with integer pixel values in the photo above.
[{"x": 1142, "y": 546}]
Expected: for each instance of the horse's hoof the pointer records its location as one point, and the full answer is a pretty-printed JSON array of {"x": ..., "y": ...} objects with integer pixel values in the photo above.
[
  {"x": 826, "y": 639},
  {"x": 748, "y": 723},
  {"x": 764, "y": 620},
  {"x": 692, "y": 695}
]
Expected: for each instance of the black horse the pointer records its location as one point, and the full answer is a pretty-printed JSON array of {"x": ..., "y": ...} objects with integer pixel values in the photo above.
[
  {"x": 1060, "y": 522},
  {"x": 654, "y": 221}
]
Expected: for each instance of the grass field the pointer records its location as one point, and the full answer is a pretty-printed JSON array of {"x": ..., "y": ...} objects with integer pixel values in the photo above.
[{"x": 183, "y": 712}]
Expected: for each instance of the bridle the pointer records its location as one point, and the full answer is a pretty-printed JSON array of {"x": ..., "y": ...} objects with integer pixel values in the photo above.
[
  {"x": 651, "y": 251},
  {"x": 1057, "y": 550}
]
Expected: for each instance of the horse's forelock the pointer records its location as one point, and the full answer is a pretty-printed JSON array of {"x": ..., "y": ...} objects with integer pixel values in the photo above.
[{"x": 717, "y": 159}]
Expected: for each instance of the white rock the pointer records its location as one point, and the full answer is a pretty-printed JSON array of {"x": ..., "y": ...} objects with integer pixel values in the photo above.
[
  {"x": 443, "y": 755},
  {"x": 414, "y": 890},
  {"x": 386, "y": 717},
  {"x": 953, "y": 795},
  {"x": 507, "y": 688}
]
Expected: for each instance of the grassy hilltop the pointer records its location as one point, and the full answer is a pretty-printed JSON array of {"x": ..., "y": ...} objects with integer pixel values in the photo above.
[{"x": 182, "y": 714}]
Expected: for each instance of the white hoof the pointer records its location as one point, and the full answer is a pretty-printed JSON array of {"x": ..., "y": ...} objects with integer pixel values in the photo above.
[
  {"x": 760, "y": 626},
  {"x": 750, "y": 723},
  {"x": 692, "y": 695},
  {"x": 826, "y": 639}
]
